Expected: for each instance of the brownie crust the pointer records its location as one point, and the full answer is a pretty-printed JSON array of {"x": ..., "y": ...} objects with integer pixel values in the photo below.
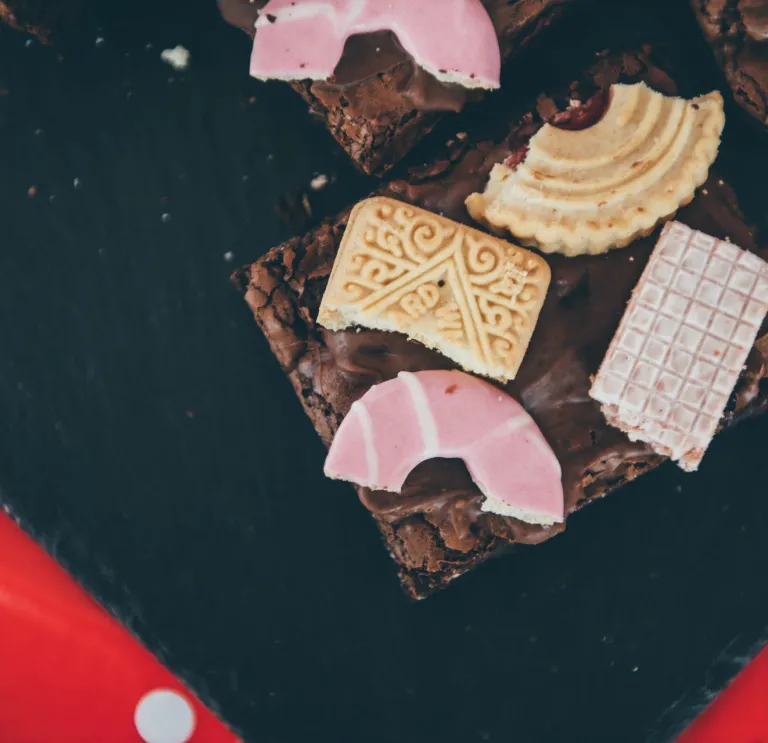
[
  {"x": 737, "y": 31},
  {"x": 435, "y": 530}
]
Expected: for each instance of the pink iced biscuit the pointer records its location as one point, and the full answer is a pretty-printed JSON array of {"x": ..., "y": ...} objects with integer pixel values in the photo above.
[
  {"x": 415, "y": 417},
  {"x": 682, "y": 343},
  {"x": 454, "y": 40}
]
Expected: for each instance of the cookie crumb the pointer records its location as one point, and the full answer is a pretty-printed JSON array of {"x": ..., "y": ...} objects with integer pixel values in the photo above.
[
  {"x": 178, "y": 57},
  {"x": 100, "y": 41},
  {"x": 77, "y": 183},
  {"x": 319, "y": 182},
  {"x": 165, "y": 218},
  {"x": 631, "y": 259},
  {"x": 32, "y": 191},
  {"x": 704, "y": 191},
  {"x": 229, "y": 256},
  {"x": 720, "y": 182}
]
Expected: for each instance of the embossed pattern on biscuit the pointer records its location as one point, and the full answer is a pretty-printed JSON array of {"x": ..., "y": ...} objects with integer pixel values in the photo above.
[
  {"x": 589, "y": 190},
  {"x": 473, "y": 297}
]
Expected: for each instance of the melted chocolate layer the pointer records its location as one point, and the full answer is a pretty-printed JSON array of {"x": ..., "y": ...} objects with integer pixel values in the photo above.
[{"x": 435, "y": 528}]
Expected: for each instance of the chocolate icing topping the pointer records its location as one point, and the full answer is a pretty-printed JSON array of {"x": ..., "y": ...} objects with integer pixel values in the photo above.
[{"x": 437, "y": 520}]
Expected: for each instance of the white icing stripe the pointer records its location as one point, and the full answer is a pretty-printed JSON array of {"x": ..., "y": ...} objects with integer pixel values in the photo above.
[
  {"x": 516, "y": 422},
  {"x": 423, "y": 414},
  {"x": 371, "y": 458}
]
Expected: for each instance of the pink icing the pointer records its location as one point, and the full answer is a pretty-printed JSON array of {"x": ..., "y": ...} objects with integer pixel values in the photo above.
[
  {"x": 424, "y": 415},
  {"x": 304, "y": 39}
]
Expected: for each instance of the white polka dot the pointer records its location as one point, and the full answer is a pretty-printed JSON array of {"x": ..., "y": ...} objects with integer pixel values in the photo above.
[{"x": 163, "y": 716}]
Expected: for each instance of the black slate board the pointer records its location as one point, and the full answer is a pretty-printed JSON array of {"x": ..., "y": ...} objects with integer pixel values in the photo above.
[{"x": 150, "y": 442}]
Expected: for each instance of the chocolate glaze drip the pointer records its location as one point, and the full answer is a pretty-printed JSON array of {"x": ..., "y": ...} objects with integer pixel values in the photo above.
[{"x": 437, "y": 519}]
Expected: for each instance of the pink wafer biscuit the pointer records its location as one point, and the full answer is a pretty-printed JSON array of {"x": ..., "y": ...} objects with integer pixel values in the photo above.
[
  {"x": 415, "y": 417},
  {"x": 683, "y": 342},
  {"x": 454, "y": 40}
]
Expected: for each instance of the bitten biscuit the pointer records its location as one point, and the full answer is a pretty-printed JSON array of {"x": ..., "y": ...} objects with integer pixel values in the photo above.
[
  {"x": 471, "y": 296},
  {"x": 589, "y": 190}
]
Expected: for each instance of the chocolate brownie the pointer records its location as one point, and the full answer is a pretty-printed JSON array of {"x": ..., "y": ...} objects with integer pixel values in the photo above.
[
  {"x": 737, "y": 31},
  {"x": 380, "y": 103},
  {"x": 435, "y": 529}
]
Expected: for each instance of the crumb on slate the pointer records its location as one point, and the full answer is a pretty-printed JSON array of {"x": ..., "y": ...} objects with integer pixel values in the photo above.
[
  {"x": 165, "y": 217},
  {"x": 32, "y": 191},
  {"x": 100, "y": 41},
  {"x": 178, "y": 57},
  {"x": 319, "y": 182},
  {"x": 77, "y": 183},
  {"x": 229, "y": 256}
]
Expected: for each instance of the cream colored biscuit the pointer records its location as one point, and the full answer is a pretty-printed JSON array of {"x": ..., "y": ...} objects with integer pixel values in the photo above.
[
  {"x": 473, "y": 297},
  {"x": 590, "y": 190}
]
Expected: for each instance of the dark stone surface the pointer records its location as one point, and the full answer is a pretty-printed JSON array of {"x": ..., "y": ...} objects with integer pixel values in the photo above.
[{"x": 149, "y": 440}]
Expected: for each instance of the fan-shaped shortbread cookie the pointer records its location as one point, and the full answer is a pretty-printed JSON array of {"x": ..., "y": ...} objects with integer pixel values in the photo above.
[
  {"x": 473, "y": 297},
  {"x": 589, "y": 190}
]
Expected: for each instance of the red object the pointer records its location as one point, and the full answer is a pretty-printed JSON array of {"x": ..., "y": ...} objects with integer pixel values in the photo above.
[
  {"x": 71, "y": 673},
  {"x": 740, "y": 713}
]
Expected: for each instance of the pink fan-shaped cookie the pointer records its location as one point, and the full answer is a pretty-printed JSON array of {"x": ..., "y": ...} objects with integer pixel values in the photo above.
[
  {"x": 424, "y": 415},
  {"x": 454, "y": 40}
]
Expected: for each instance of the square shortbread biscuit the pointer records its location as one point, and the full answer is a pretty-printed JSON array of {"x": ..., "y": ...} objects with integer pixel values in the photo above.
[{"x": 473, "y": 297}]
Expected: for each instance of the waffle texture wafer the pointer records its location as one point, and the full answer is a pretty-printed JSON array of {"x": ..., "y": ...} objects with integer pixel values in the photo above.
[
  {"x": 593, "y": 189},
  {"x": 682, "y": 343},
  {"x": 473, "y": 297}
]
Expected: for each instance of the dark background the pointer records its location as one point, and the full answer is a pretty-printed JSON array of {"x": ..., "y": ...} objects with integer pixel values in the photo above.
[{"x": 150, "y": 442}]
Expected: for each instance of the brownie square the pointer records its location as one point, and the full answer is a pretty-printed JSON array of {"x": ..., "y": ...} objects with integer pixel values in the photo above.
[
  {"x": 738, "y": 34},
  {"x": 435, "y": 529},
  {"x": 379, "y": 118}
]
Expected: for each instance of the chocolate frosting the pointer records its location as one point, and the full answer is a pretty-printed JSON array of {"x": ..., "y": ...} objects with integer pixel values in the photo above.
[
  {"x": 437, "y": 520},
  {"x": 368, "y": 55}
]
